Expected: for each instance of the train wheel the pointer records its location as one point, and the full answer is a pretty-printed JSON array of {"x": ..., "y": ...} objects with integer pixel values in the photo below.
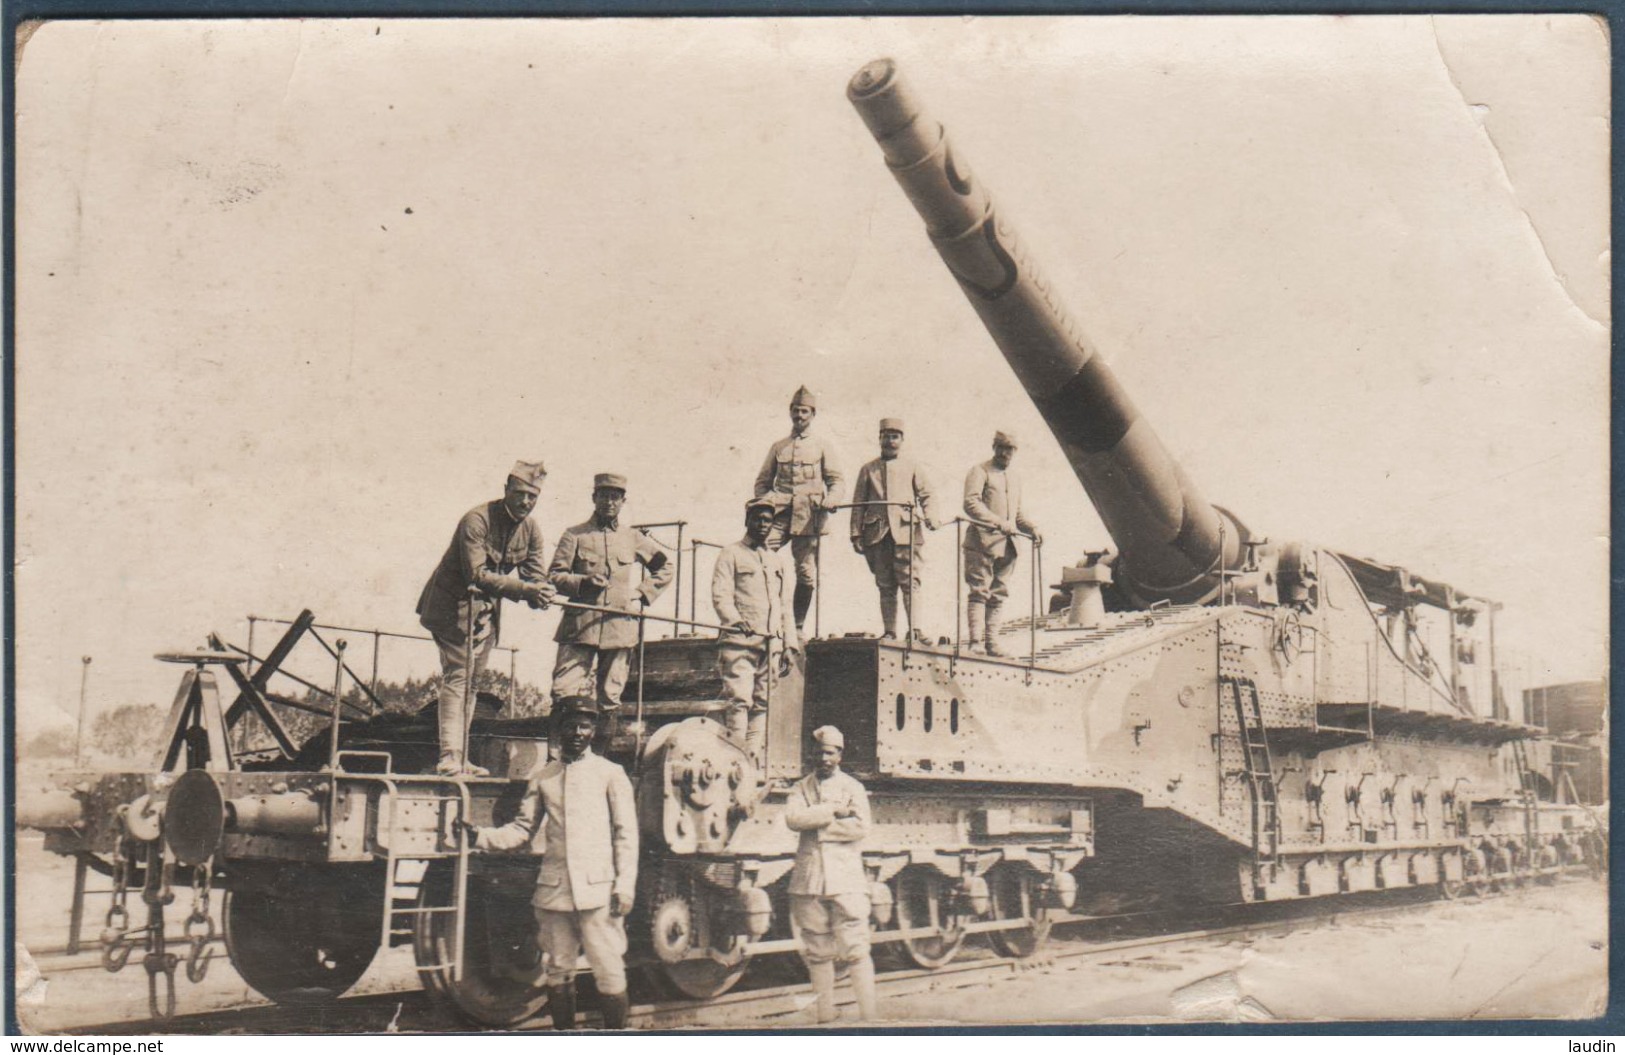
[
  {"x": 922, "y": 902},
  {"x": 307, "y": 939},
  {"x": 1015, "y": 896},
  {"x": 500, "y": 978},
  {"x": 673, "y": 933}
]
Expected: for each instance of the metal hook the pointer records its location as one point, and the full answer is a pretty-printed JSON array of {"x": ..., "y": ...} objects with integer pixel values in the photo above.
[{"x": 197, "y": 962}]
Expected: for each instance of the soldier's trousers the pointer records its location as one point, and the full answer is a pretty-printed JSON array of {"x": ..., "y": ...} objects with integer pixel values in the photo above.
[
  {"x": 456, "y": 667},
  {"x": 564, "y": 936},
  {"x": 987, "y": 576},
  {"x": 803, "y": 549},
  {"x": 746, "y": 672},
  {"x": 894, "y": 566},
  {"x": 832, "y": 928},
  {"x": 579, "y": 667}
]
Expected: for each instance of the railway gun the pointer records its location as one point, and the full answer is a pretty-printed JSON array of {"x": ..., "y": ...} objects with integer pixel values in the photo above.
[{"x": 1201, "y": 716}]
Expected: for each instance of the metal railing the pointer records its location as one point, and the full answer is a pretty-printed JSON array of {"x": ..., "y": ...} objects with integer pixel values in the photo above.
[{"x": 369, "y": 687}]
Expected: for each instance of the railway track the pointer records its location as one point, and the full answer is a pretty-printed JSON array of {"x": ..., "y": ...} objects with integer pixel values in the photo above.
[{"x": 775, "y": 990}]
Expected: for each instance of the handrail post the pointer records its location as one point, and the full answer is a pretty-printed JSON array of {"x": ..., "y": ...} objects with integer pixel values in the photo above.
[
  {"x": 376, "y": 639},
  {"x": 677, "y": 586},
  {"x": 959, "y": 577},
  {"x": 513, "y": 677},
  {"x": 248, "y": 668},
  {"x": 338, "y": 706}
]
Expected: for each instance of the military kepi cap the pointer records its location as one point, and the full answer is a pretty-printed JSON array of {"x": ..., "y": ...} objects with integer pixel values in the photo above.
[
  {"x": 1004, "y": 439},
  {"x": 615, "y": 480},
  {"x": 804, "y": 397},
  {"x": 570, "y": 706},
  {"x": 829, "y": 736},
  {"x": 528, "y": 475},
  {"x": 761, "y": 502},
  {"x": 891, "y": 424}
]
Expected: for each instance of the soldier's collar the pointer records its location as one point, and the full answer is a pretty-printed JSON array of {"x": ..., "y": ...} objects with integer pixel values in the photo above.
[{"x": 605, "y": 522}]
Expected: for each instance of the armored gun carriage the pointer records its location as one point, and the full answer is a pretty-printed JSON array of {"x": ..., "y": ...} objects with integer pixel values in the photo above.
[{"x": 1205, "y": 716}]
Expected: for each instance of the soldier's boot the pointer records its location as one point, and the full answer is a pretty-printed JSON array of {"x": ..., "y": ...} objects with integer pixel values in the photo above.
[
  {"x": 862, "y": 974},
  {"x": 888, "y": 612},
  {"x": 823, "y": 983},
  {"x": 756, "y": 739},
  {"x": 451, "y": 763},
  {"x": 802, "y": 603},
  {"x": 614, "y": 1007},
  {"x": 561, "y": 1005},
  {"x": 993, "y": 648},
  {"x": 975, "y": 615}
]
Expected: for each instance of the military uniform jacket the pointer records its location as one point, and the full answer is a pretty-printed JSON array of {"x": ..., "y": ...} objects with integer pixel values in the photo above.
[
  {"x": 898, "y": 480},
  {"x": 799, "y": 471},
  {"x": 624, "y": 554},
  {"x": 487, "y": 548},
  {"x": 752, "y": 586},
  {"x": 829, "y": 860},
  {"x": 992, "y": 500},
  {"x": 581, "y": 818}
]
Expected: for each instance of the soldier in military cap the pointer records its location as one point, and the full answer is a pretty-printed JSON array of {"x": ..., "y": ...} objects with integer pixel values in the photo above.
[
  {"x": 750, "y": 590},
  {"x": 891, "y": 499},
  {"x": 610, "y": 564},
  {"x": 829, "y": 893},
  {"x": 993, "y": 506},
  {"x": 579, "y": 811},
  {"x": 497, "y": 549},
  {"x": 802, "y": 480}
]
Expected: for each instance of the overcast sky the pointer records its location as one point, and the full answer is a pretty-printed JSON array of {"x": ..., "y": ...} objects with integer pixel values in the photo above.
[{"x": 292, "y": 296}]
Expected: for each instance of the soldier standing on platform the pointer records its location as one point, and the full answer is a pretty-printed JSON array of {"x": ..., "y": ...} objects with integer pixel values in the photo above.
[
  {"x": 886, "y": 525},
  {"x": 497, "y": 549},
  {"x": 750, "y": 591},
  {"x": 800, "y": 477},
  {"x": 829, "y": 893},
  {"x": 993, "y": 506},
  {"x": 579, "y": 811},
  {"x": 609, "y": 564}
]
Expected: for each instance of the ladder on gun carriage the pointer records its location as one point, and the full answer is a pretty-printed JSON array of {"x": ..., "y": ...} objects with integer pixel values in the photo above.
[{"x": 1260, "y": 775}]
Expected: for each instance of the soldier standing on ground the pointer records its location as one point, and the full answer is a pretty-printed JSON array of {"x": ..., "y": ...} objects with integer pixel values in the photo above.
[
  {"x": 496, "y": 549},
  {"x": 581, "y": 805},
  {"x": 829, "y": 893},
  {"x": 993, "y": 506},
  {"x": 609, "y": 564},
  {"x": 750, "y": 590},
  {"x": 885, "y": 524},
  {"x": 800, "y": 477}
]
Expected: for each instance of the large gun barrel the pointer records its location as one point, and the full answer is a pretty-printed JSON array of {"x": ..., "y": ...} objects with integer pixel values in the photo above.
[{"x": 1174, "y": 545}]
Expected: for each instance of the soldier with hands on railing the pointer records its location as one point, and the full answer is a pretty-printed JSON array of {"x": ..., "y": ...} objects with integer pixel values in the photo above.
[
  {"x": 750, "y": 590},
  {"x": 802, "y": 480},
  {"x": 829, "y": 892},
  {"x": 609, "y": 564},
  {"x": 995, "y": 515},
  {"x": 579, "y": 812},
  {"x": 885, "y": 524},
  {"x": 495, "y": 553}
]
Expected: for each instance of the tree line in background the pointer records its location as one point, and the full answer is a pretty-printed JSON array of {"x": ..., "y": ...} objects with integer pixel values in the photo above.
[{"x": 133, "y": 731}]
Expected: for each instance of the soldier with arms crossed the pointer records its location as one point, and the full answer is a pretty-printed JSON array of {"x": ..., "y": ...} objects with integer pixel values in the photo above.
[{"x": 829, "y": 893}]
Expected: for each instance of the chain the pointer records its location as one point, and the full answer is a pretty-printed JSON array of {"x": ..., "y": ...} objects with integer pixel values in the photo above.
[
  {"x": 200, "y": 925},
  {"x": 158, "y": 892},
  {"x": 115, "y": 950}
]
